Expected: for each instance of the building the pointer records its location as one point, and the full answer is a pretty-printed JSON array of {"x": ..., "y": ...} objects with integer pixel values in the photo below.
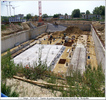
[
  {"x": 17, "y": 18},
  {"x": 91, "y": 16},
  {"x": 61, "y": 17},
  {"x": 64, "y": 16},
  {"x": 47, "y": 19}
]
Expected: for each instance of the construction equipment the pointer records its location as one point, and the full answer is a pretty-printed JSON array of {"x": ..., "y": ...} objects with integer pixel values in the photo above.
[
  {"x": 40, "y": 11},
  {"x": 14, "y": 9},
  {"x": 40, "y": 14}
]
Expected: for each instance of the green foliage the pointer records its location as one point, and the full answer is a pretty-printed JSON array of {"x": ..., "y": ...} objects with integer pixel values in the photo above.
[
  {"x": 4, "y": 19},
  {"x": 28, "y": 16},
  {"x": 87, "y": 85},
  {"x": 19, "y": 24},
  {"x": 56, "y": 16},
  {"x": 7, "y": 91},
  {"x": 52, "y": 79},
  {"x": 99, "y": 10},
  {"x": 76, "y": 13},
  {"x": 8, "y": 67},
  {"x": 91, "y": 83},
  {"x": 3, "y": 27},
  {"x": 87, "y": 12},
  {"x": 44, "y": 16},
  {"x": 66, "y": 14}
]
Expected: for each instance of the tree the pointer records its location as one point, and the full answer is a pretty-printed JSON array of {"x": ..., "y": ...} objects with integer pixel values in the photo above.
[
  {"x": 34, "y": 18},
  {"x": 87, "y": 12},
  {"x": 28, "y": 16},
  {"x": 4, "y": 19},
  {"x": 66, "y": 14},
  {"x": 56, "y": 16},
  {"x": 99, "y": 10},
  {"x": 76, "y": 13},
  {"x": 44, "y": 16}
]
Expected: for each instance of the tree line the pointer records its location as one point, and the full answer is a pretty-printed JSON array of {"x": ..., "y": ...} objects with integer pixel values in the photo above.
[{"x": 75, "y": 14}]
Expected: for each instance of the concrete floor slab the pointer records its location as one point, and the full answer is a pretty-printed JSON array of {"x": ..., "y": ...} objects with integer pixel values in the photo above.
[{"x": 31, "y": 56}]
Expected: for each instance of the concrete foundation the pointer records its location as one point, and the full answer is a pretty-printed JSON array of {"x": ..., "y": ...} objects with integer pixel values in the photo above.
[
  {"x": 30, "y": 57},
  {"x": 78, "y": 61}
]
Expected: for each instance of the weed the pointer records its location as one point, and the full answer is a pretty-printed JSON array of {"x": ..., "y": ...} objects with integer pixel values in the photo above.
[
  {"x": 91, "y": 81},
  {"x": 8, "y": 67},
  {"x": 3, "y": 27}
]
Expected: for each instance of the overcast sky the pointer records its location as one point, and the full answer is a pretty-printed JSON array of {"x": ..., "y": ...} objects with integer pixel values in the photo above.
[{"x": 49, "y": 7}]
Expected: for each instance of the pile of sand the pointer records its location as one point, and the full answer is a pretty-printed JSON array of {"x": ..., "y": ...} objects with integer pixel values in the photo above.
[
  {"x": 72, "y": 29},
  {"x": 99, "y": 27},
  {"x": 69, "y": 30},
  {"x": 12, "y": 28},
  {"x": 56, "y": 34}
]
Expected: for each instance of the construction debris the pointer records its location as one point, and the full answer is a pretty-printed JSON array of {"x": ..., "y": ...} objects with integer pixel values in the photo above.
[{"x": 73, "y": 29}]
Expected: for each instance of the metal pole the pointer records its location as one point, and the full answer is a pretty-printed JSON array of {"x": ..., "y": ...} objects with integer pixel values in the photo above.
[
  {"x": 14, "y": 11},
  {"x": 7, "y": 10},
  {"x": 10, "y": 8}
]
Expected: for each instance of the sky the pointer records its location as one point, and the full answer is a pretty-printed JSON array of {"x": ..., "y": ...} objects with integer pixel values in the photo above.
[{"x": 49, "y": 7}]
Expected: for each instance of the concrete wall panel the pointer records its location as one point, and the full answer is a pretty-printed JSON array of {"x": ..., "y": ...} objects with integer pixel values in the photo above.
[
  {"x": 99, "y": 49},
  {"x": 8, "y": 42}
]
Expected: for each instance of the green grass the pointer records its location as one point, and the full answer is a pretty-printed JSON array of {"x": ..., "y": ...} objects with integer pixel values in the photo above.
[
  {"x": 8, "y": 68},
  {"x": 3, "y": 27},
  {"x": 90, "y": 83}
]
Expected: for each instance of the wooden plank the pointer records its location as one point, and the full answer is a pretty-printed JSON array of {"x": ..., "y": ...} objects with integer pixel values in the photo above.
[{"x": 40, "y": 83}]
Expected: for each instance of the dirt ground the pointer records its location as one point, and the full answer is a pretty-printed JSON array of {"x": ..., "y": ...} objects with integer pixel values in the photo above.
[
  {"x": 26, "y": 89},
  {"x": 91, "y": 53},
  {"x": 100, "y": 28}
]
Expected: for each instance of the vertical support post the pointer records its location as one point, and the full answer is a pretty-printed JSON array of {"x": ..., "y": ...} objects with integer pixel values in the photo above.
[{"x": 40, "y": 11}]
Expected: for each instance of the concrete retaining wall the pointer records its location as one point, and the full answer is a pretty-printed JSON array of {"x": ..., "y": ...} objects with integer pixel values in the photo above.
[
  {"x": 8, "y": 42},
  {"x": 99, "y": 49},
  {"x": 37, "y": 31}
]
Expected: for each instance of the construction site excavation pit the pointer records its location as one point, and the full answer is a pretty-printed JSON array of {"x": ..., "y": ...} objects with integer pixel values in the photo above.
[
  {"x": 48, "y": 54},
  {"x": 71, "y": 49}
]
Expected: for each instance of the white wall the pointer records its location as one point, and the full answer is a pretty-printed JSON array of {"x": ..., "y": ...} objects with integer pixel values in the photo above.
[{"x": 99, "y": 49}]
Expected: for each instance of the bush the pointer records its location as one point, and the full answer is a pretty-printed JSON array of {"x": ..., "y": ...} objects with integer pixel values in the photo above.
[
  {"x": 3, "y": 27},
  {"x": 91, "y": 83},
  {"x": 8, "y": 67}
]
